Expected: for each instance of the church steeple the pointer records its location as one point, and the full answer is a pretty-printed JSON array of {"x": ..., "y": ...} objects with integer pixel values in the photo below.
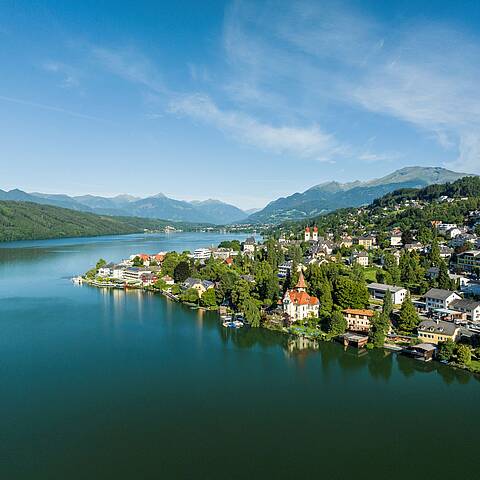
[{"x": 300, "y": 286}]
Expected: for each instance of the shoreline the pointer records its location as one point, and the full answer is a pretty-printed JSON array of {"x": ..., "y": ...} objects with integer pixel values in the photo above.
[{"x": 320, "y": 337}]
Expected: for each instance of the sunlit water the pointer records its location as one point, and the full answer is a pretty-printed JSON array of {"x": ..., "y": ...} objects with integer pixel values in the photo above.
[{"x": 125, "y": 385}]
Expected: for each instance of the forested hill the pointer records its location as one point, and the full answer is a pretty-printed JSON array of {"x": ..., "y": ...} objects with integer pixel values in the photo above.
[
  {"x": 32, "y": 221},
  {"x": 406, "y": 208}
]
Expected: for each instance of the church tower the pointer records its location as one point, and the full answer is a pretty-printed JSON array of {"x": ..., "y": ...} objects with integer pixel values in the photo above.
[
  {"x": 315, "y": 234},
  {"x": 307, "y": 234}
]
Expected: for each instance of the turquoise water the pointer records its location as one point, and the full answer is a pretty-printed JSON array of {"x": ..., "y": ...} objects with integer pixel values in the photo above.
[{"x": 113, "y": 384}]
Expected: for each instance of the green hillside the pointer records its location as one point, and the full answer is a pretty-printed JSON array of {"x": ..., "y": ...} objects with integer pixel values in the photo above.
[{"x": 32, "y": 221}]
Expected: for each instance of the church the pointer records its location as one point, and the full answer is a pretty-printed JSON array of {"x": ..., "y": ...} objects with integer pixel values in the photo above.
[{"x": 298, "y": 304}]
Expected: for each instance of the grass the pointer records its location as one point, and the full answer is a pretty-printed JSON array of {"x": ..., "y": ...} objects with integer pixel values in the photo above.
[{"x": 370, "y": 274}]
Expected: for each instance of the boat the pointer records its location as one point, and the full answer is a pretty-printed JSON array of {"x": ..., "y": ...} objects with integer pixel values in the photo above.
[
  {"x": 77, "y": 280},
  {"x": 226, "y": 318},
  {"x": 233, "y": 324}
]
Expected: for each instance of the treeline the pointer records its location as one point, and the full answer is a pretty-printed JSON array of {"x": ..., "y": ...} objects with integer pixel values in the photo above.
[
  {"x": 464, "y": 187},
  {"x": 32, "y": 221}
]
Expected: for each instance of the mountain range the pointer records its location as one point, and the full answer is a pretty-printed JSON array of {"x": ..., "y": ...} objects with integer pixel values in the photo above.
[
  {"x": 158, "y": 206},
  {"x": 318, "y": 199},
  {"x": 329, "y": 196}
]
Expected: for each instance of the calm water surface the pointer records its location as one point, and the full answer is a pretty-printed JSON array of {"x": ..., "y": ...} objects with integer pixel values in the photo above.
[{"x": 125, "y": 385}]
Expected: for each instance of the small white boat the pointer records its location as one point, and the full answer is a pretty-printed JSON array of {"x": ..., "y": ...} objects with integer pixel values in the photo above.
[
  {"x": 77, "y": 280},
  {"x": 233, "y": 324}
]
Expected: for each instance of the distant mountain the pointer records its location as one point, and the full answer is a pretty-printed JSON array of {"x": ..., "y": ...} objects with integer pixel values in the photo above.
[
  {"x": 329, "y": 196},
  {"x": 158, "y": 206},
  {"x": 223, "y": 212}
]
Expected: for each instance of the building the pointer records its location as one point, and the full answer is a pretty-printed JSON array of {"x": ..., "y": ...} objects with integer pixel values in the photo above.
[
  {"x": 378, "y": 291},
  {"x": 359, "y": 257},
  {"x": 168, "y": 280},
  {"x": 298, "y": 304},
  {"x": 436, "y": 331},
  {"x": 469, "y": 261},
  {"x": 117, "y": 271},
  {"x": 106, "y": 270},
  {"x": 137, "y": 274},
  {"x": 470, "y": 307},
  {"x": 202, "y": 254},
  {"x": 200, "y": 285},
  {"x": 307, "y": 236},
  {"x": 396, "y": 239},
  {"x": 249, "y": 245},
  {"x": 367, "y": 241},
  {"x": 315, "y": 234},
  {"x": 285, "y": 268},
  {"x": 358, "y": 320},
  {"x": 437, "y": 298}
]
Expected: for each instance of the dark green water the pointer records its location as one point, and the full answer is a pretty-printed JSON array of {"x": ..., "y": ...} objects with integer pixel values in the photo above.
[{"x": 98, "y": 384}]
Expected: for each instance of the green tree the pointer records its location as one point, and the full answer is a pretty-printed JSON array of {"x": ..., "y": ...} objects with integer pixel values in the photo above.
[
  {"x": 181, "y": 271},
  {"x": 445, "y": 350},
  {"x": 208, "y": 298},
  {"x": 190, "y": 295},
  {"x": 251, "y": 312},
  {"x": 240, "y": 293},
  {"x": 338, "y": 324},
  {"x": 348, "y": 293},
  {"x": 101, "y": 263},
  {"x": 409, "y": 318},
  {"x": 443, "y": 279},
  {"x": 434, "y": 257},
  {"x": 137, "y": 262},
  {"x": 464, "y": 355},
  {"x": 379, "y": 328},
  {"x": 266, "y": 282},
  {"x": 387, "y": 307},
  {"x": 161, "y": 284}
]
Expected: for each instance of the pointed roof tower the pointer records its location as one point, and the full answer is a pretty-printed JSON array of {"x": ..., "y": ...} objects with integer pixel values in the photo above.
[{"x": 301, "y": 286}]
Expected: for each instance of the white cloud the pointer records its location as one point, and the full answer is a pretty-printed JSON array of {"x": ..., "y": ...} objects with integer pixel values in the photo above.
[
  {"x": 309, "y": 142},
  {"x": 130, "y": 65}
]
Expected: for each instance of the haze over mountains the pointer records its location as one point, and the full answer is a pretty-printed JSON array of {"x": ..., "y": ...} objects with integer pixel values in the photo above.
[{"x": 321, "y": 198}]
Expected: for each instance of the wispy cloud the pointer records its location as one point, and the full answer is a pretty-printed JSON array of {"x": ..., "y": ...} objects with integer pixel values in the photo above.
[
  {"x": 130, "y": 65},
  {"x": 70, "y": 77},
  {"x": 309, "y": 141},
  {"x": 50, "y": 108}
]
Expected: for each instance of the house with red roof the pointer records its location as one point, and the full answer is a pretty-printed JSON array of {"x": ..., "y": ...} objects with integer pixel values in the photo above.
[{"x": 298, "y": 304}]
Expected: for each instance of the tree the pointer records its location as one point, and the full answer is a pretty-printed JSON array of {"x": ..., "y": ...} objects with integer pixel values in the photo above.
[
  {"x": 101, "y": 263},
  {"x": 181, "y": 272},
  {"x": 409, "y": 318},
  {"x": 240, "y": 293},
  {"x": 434, "y": 257},
  {"x": 445, "y": 350},
  {"x": 348, "y": 293},
  {"x": 464, "y": 355},
  {"x": 443, "y": 278},
  {"x": 266, "y": 282},
  {"x": 324, "y": 295},
  {"x": 160, "y": 284},
  {"x": 190, "y": 295},
  {"x": 137, "y": 262},
  {"x": 208, "y": 298},
  {"x": 251, "y": 312},
  {"x": 338, "y": 324},
  {"x": 379, "y": 328},
  {"x": 387, "y": 307}
]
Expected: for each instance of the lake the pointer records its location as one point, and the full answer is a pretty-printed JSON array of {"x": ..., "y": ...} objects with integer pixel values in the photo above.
[{"x": 126, "y": 385}]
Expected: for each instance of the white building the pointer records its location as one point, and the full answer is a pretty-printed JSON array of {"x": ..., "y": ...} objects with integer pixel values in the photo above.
[
  {"x": 437, "y": 298},
  {"x": 202, "y": 254},
  {"x": 298, "y": 304},
  {"x": 361, "y": 258},
  {"x": 468, "y": 306},
  {"x": 378, "y": 291}
]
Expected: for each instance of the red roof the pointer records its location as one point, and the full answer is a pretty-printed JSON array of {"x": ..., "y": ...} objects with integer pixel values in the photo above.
[
  {"x": 307, "y": 229},
  {"x": 229, "y": 261},
  {"x": 144, "y": 256},
  {"x": 315, "y": 229},
  {"x": 302, "y": 298}
]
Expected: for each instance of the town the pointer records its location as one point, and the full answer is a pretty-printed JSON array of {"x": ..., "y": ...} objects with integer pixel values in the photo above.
[{"x": 415, "y": 291}]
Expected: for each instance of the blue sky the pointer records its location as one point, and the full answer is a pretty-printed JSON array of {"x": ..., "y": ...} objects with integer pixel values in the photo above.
[{"x": 241, "y": 101}]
